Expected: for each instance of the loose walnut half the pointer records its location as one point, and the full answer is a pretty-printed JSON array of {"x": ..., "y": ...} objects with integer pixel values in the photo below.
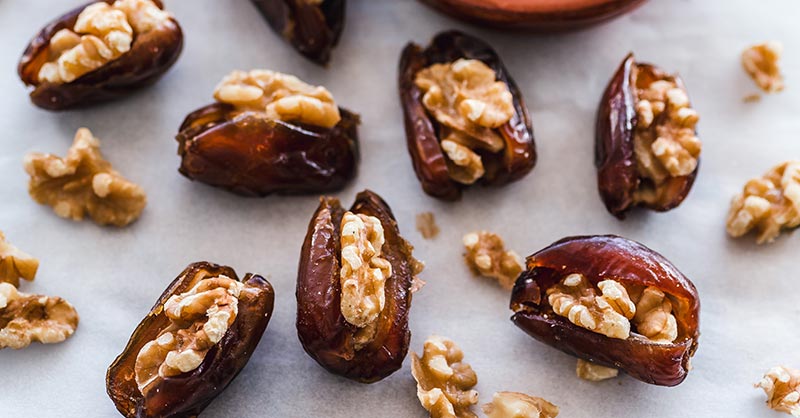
[
  {"x": 444, "y": 381},
  {"x": 767, "y": 204},
  {"x": 519, "y": 405},
  {"x": 761, "y": 63},
  {"x": 15, "y": 264},
  {"x": 782, "y": 386},
  {"x": 84, "y": 183},
  {"x": 486, "y": 255},
  {"x": 27, "y": 318},
  {"x": 594, "y": 372}
]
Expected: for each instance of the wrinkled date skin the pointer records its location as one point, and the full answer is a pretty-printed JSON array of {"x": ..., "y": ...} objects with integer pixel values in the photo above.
[
  {"x": 254, "y": 156},
  {"x": 187, "y": 394},
  {"x": 312, "y": 29},
  {"x": 599, "y": 258},
  {"x": 422, "y": 130},
  {"x": 617, "y": 177},
  {"x": 150, "y": 56},
  {"x": 323, "y": 331},
  {"x": 536, "y": 15}
]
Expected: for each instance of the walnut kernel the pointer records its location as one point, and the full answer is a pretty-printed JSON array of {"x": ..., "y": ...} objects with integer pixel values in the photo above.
[
  {"x": 761, "y": 63},
  {"x": 278, "y": 96},
  {"x": 782, "y": 386},
  {"x": 426, "y": 225},
  {"x": 767, "y": 204},
  {"x": 594, "y": 372},
  {"x": 84, "y": 182},
  {"x": 444, "y": 381},
  {"x": 15, "y": 264},
  {"x": 519, "y": 405},
  {"x": 486, "y": 255},
  {"x": 26, "y": 318},
  {"x": 199, "y": 318}
]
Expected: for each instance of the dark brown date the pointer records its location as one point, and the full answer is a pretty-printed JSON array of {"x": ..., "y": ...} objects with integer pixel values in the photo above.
[
  {"x": 151, "y": 55},
  {"x": 312, "y": 29},
  {"x": 537, "y": 15},
  {"x": 618, "y": 176},
  {"x": 513, "y": 162},
  {"x": 609, "y": 257},
  {"x": 187, "y": 394},
  {"x": 254, "y": 156},
  {"x": 323, "y": 331}
]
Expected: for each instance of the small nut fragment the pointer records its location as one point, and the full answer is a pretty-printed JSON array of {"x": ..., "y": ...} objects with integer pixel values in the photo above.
[
  {"x": 200, "y": 318},
  {"x": 767, "y": 204},
  {"x": 782, "y": 386},
  {"x": 84, "y": 182},
  {"x": 761, "y": 63},
  {"x": 278, "y": 96},
  {"x": 426, "y": 225},
  {"x": 444, "y": 382},
  {"x": 519, "y": 405},
  {"x": 15, "y": 263},
  {"x": 486, "y": 255},
  {"x": 25, "y": 318},
  {"x": 594, "y": 372}
]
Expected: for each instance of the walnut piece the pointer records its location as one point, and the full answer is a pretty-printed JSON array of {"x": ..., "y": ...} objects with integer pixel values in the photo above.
[
  {"x": 444, "y": 381},
  {"x": 665, "y": 144},
  {"x": 469, "y": 102},
  {"x": 486, "y": 255},
  {"x": 278, "y": 96},
  {"x": 25, "y": 318},
  {"x": 102, "y": 33},
  {"x": 519, "y": 405},
  {"x": 782, "y": 386},
  {"x": 84, "y": 182},
  {"x": 199, "y": 318},
  {"x": 616, "y": 309},
  {"x": 594, "y": 372},
  {"x": 15, "y": 264},
  {"x": 761, "y": 63},
  {"x": 767, "y": 204},
  {"x": 426, "y": 225}
]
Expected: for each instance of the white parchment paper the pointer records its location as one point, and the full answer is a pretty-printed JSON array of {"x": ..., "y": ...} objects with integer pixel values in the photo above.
[{"x": 112, "y": 276}]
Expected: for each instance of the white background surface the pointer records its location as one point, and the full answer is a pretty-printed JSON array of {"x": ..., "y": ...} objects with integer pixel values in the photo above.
[{"x": 112, "y": 276}]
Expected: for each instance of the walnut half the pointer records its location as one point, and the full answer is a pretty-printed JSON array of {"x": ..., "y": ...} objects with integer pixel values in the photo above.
[
  {"x": 15, "y": 264},
  {"x": 486, "y": 255},
  {"x": 519, "y": 405},
  {"x": 444, "y": 381},
  {"x": 27, "y": 318},
  {"x": 84, "y": 182},
  {"x": 782, "y": 386},
  {"x": 761, "y": 63}
]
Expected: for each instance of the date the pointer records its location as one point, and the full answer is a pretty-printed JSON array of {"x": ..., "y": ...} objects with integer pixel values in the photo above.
[
  {"x": 363, "y": 337},
  {"x": 613, "y": 302},
  {"x": 313, "y": 28},
  {"x": 197, "y": 337},
  {"x": 455, "y": 141},
  {"x": 100, "y": 51}
]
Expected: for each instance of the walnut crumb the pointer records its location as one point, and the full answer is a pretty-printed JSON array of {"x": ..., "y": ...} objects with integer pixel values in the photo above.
[
  {"x": 84, "y": 182},
  {"x": 486, "y": 255},
  {"x": 587, "y": 370},
  {"x": 519, "y": 405},
  {"x": 15, "y": 264},
  {"x": 752, "y": 98},
  {"x": 26, "y": 318},
  {"x": 782, "y": 386},
  {"x": 761, "y": 62},
  {"x": 426, "y": 225},
  {"x": 444, "y": 381}
]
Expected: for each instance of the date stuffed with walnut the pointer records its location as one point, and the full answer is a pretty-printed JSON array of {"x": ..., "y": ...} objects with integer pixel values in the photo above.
[
  {"x": 197, "y": 337},
  {"x": 613, "y": 302},
  {"x": 466, "y": 121},
  {"x": 269, "y": 133},
  {"x": 100, "y": 51},
  {"x": 354, "y": 287},
  {"x": 647, "y": 149}
]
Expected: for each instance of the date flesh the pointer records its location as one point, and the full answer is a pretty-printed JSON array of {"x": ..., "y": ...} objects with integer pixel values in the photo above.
[
  {"x": 150, "y": 56},
  {"x": 600, "y": 258},
  {"x": 254, "y": 156},
  {"x": 423, "y": 132},
  {"x": 312, "y": 29},
  {"x": 323, "y": 331},
  {"x": 187, "y": 394}
]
